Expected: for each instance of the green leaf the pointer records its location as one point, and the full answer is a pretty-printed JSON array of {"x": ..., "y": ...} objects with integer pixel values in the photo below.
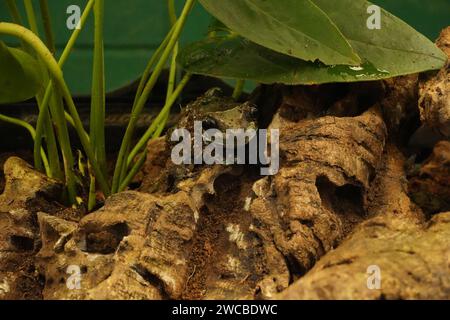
[
  {"x": 238, "y": 58},
  {"x": 20, "y": 78},
  {"x": 297, "y": 28},
  {"x": 396, "y": 49}
]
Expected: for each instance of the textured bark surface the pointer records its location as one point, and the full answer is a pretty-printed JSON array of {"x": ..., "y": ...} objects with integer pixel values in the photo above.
[
  {"x": 434, "y": 103},
  {"x": 344, "y": 204},
  {"x": 316, "y": 198},
  {"x": 429, "y": 184},
  {"x": 412, "y": 254},
  {"x": 24, "y": 194}
]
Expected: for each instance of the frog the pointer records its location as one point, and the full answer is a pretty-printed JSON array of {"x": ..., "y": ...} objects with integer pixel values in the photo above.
[
  {"x": 216, "y": 111},
  {"x": 213, "y": 110}
]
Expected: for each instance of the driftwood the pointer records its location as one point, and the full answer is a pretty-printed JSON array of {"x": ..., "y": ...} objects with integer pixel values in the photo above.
[
  {"x": 345, "y": 216},
  {"x": 411, "y": 254}
]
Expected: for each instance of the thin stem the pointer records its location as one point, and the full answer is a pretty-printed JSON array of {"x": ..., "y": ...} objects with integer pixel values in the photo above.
[
  {"x": 45, "y": 14},
  {"x": 134, "y": 171},
  {"x": 49, "y": 133},
  {"x": 146, "y": 92},
  {"x": 161, "y": 116},
  {"x": 92, "y": 199},
  {"x": 172, "y": 12},
  {"x": 31, "y": 16},
  {"x": 57, "y": 113},
  {"x": 149, "y": 68},
  {"x": 32, "y": 132},
  {"x": 172, "y": 73},
  {"x": 43, "y": 115},
  {"x": 173, "y": 63},
  {"x": 14, "y": 12},
  {"x": 31, "y": 39},
  {"x": 238, "y": 89},
  {"x": 97, "y": 123}
]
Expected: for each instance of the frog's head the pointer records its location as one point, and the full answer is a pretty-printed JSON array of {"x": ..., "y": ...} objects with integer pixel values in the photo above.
[{"x": 216, "y": 111}]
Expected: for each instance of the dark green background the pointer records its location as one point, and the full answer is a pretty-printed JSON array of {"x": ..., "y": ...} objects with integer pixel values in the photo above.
[{"x": 134, "y": 28}]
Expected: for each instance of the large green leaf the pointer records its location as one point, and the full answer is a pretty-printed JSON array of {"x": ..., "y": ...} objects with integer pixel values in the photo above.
[
  {"x": 297, "y": 28},
  {"x": 238, "y": 58},
  {"x": 396, "y": 49},
  {"x": 20, "y": 78}
]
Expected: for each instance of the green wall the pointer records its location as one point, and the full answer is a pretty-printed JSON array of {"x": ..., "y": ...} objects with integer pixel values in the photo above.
[{"x": 135, "y": 27}]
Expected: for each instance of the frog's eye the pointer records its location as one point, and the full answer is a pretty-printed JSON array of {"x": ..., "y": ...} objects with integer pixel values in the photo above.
[
  {"x": 253, "y": 112},
  {"x": 209, "y": 123}
]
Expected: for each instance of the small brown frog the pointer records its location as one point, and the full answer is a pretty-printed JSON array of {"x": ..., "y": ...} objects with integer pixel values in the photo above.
[{"x": 214, "y": 111}]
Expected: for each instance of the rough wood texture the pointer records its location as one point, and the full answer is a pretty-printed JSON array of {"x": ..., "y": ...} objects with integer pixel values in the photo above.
[
  {"x": 411, "y": 254},
  {"x": 429, "y": 184},
  {"x": 434, "y": 102}
]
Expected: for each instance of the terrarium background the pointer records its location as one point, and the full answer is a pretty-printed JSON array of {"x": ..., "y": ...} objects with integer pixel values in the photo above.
[{"x": 135, "y": 28}]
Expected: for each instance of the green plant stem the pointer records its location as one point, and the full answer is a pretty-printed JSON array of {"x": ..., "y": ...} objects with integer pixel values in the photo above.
[
  {"x": 149, "y": 68},
  {"x": 97, "y": 122},
  {"x": 14, "y": 12},
  {"x": 161, "y": 116},
  {"x": 92, "y": 198},
  {"x": 45, "y": 14},
  {"x": 57, "y": 113},
  {"x": 172, "y": 73},
  {"x": 173, "y": 69},
  {"x": 43, "y": 115},
  {"x": 125, "y": 181},
  {"x": 16, "y": 18},
  {"x": 32, "y": 132},
  {"x": 145, "y": 94},
  {"x": 172, "y": 12},
  {"x": 134, "y": 171},
  {"x": 62, "y": 60},
  {"x": 124, "y": 167},
  {"x": 31, "y": 16},
  {"x": 157, "y": 54},
  {"x": 173, "y": 63},
  {"x": 238, "y": 89},
  {"x": 31, "y": 39},
  {"x": 52, "y": 148}
]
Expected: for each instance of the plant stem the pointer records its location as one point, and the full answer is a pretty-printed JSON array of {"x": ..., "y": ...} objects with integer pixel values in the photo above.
[
  {"x": 49, "y": 134},
  {"x": 45, "y": 14},
  {"x": 31, "y": 16},
  {"x": 172, "y": 12},
  {"x": 31, "y": 39},
  {"x": 157, "y": 54},
  {"x": 161, "y": 116},
  {"x": 14, "y": 12},
  {"x": 172, "y": 73},
  {"x": 134, "y": 171},
  {"x": 92, "y": 199},
  {"x": 97, "y": 122},
  {"x": 173, "y": 69},
  {"x": 238, "y": 89},
  {"x": 164, "y": 116},
  {"x": 57, "y": 113},
  {"x": 43, "y": 114},
  {"x": 149, "y": 68},
  {"x": 32, "y": 132},
  {"x": 145, "y": 94}
]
